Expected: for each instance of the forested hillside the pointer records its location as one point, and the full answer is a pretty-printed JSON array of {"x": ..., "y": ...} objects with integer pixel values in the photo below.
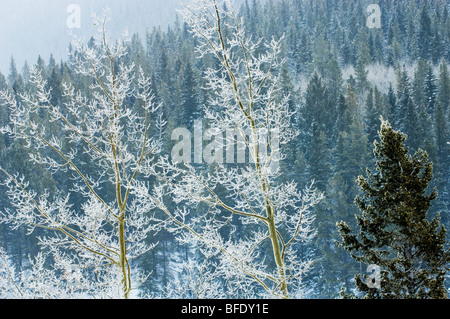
[{"x": 340, "y": 75}]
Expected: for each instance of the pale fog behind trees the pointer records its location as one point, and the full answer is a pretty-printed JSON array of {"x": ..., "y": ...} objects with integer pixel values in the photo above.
[{"x": 29, "y": 28}]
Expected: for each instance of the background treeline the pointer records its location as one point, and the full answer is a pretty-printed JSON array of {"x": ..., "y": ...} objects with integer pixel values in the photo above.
[{"x": 341, "y": 77}]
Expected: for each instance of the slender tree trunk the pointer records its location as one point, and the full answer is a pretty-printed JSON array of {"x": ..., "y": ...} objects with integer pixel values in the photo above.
[
  {"x": 270, "y": 213},
  {"x": 276, "y": 251},
  {"x": 123, "y": 263}
]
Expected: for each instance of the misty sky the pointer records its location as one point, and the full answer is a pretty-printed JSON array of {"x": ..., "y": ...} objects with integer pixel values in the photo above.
[{"x": 29, "y": 28}]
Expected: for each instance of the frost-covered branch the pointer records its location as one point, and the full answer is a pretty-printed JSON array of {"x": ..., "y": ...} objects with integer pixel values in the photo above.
[
  {"x": 244, "y": 97},
  {"x": 100, "y": 235}
]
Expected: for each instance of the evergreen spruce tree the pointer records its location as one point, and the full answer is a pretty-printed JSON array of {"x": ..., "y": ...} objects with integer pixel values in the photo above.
[
  {"x": 304, "y": 52},
  {"x": 395, "y": 232},
  {"x": 343, "y": 119},
  {"x": 411, "y": 124},
  {"x": 4, "y": 112},
  {"x": 319, "y": 158},
  {"x": 379, "y": 103},
  {"x": 333, "y": 266},
  {"x": 436, "y": 48},
  {"x": 163, "y": 65},
  {"x": 26, "y": 72},
  {"x": 391, "y": 104},
  {"x": 430, "y": 91},
  {"x": 418, "y": 84},
  {"x": 442, "y": 165},
  {"x": 363, "y": 40},
  {"x": 321, "y": 55},
  {"x": 361, "y": 76},
  {"x": 372, "y": 116},
  {"x": 334, "y": 80},
  {"x": 317, "y": 108},
  {"x": 13, "y": 73},
  {"x": 55, "y": 83},
  {"x": 41, "y": 66},
  {"x": 287, "y": 90},
  {"x": 287, "y": 87},
  {"x": 404, "y": 99},
  {"x": 191, "y": 110},
  {"x": 425, "y": 34},
  {"x": 444, "y": 86},
  {"x": 350, "y": 154},
  {"x": 254, "y": 19},
  {"x": 347, "y": 51}
]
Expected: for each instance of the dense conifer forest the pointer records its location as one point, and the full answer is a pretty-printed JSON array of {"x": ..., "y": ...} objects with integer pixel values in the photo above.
[{"x": 341, "y": 76}]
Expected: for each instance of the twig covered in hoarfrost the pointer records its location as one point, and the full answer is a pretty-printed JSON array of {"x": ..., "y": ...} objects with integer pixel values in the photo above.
[
  {"x": 275, "y": 216},
  {"x": 97, "y": 240}
]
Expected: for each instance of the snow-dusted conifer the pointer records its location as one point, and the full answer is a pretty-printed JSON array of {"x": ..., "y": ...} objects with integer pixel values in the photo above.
[{"x": 396, "y": 234}]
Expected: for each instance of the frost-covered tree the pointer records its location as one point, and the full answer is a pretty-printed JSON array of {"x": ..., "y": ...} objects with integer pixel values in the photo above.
[
  {"x": 396, "y": 232},
  {"x": 262, "y": 259},
  {"x": 98, "y": 143}
]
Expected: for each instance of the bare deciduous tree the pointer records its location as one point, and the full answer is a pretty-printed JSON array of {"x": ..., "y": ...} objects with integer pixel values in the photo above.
[
  {"x": 244, "y": 97},
  {"x": 92, "y": 245}
]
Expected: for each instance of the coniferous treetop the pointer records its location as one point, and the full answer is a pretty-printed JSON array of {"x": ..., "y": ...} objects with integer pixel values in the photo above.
[{"x": 395, "y": 232}]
